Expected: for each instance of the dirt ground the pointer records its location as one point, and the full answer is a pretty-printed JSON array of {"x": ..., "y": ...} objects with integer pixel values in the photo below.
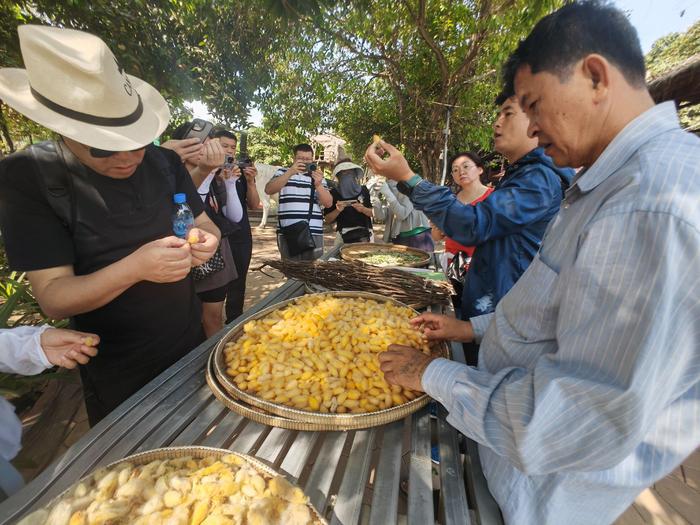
[{"x": 258, "y": 284}]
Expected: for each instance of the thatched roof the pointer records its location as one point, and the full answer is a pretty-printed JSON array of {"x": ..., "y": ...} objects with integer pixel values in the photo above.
[{"x": 681, "y": 84}]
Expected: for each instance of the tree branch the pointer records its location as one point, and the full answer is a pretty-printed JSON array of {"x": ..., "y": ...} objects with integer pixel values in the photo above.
[{"x": 419, "y": 19}]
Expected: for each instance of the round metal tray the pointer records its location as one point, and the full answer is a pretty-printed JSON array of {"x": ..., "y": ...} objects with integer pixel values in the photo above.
[
  {"x": 143, "y": 458},
  {"x": 253, "y": 413},
  {"x": 356, "y": 250},
  {"x": 334, "y": 421}
]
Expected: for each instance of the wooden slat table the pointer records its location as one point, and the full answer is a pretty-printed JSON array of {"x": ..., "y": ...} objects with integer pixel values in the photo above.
[{"x": 376, "y": 476}]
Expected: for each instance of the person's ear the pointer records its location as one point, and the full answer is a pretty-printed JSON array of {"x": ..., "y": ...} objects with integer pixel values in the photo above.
[{"x": 596, "y": 70}]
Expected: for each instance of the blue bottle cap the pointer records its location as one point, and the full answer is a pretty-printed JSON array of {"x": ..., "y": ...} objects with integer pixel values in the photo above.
[{"x": 180, "y": 198}]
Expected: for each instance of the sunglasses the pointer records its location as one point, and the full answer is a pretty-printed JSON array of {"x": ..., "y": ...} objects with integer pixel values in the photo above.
[{"x": 104, "y": 153}]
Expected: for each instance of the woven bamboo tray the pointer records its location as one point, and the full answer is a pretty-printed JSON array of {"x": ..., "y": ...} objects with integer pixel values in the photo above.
[
  {"x": 253, "y": 413},
  {"x": 357, "y": 250},
  {"x": 143, "y": 458},
  {"x": 328, "y": 421}
]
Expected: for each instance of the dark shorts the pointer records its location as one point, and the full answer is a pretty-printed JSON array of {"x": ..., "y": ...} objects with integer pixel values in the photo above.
[{"x": 217, "y": 295}]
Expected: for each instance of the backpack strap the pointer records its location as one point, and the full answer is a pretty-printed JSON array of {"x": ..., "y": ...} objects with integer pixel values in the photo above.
[
  {"x": 52, "y": 164},
  {"x": 311, "y": 202},
  {"x": 56, "y": 184},
  {"x": 164, "y": 166}
]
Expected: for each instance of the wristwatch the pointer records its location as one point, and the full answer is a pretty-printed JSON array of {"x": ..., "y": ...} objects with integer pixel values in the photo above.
[{"x": 406, "y": 186}]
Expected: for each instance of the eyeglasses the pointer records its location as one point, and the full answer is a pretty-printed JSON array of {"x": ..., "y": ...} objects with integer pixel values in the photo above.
[
  {"x": 463, "y": 166},
  {"x": 104, "y": 153}
]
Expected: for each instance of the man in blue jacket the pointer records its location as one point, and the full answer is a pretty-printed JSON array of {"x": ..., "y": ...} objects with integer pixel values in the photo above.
[{"x": 508, "y": 226}]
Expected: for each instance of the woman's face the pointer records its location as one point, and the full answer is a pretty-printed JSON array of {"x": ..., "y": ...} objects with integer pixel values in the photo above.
[{"x": 465, "y": 171}]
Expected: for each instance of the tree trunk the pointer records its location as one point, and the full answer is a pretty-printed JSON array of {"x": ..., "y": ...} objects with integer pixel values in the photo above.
[{"x": 4, "y": 129}]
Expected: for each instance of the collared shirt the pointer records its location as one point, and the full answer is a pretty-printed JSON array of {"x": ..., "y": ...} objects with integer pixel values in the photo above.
[
  {"x": 294, "y": 202},
  {"x": 588, "y": 384}
]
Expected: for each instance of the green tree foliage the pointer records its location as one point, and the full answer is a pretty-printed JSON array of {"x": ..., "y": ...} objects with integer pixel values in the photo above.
[
  {"x": 668, "y": 52},
  {"x": 395, "y": 68},
  {"x": 267, "y": 147},
  {"x": 215, "y": 52}
]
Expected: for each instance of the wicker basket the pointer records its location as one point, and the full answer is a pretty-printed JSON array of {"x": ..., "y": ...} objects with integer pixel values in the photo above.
[
  {"x": 356, "y": 251},
  {"x": 143, "y": 458},
  {"x": 253, "y": 413},
  {"x": 327, "y": 421}
]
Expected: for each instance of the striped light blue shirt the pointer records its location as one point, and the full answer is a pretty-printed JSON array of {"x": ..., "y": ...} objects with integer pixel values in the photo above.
[{"x": 588, "y": 384}]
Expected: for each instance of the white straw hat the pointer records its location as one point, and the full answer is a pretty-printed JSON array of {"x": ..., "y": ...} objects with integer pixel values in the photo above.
[{"x": 74, "y": 86}]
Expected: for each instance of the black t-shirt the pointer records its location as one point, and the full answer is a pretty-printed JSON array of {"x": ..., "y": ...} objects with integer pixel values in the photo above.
[
  {"x": 113, "y": 218},
  {"x": 350, "y": 217}
]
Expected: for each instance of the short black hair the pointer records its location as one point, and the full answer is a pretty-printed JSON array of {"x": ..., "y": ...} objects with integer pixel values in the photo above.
[
  {"x": 501, "y": 98},
  {"x": 225, "y": 133},
  {"x": 302, "y": 147},
  {"x": 570, "y": 33}
]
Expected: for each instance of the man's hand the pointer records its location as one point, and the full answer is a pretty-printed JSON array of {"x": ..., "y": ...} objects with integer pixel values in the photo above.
[
  {"x": 362, "y": 208},
  {"x": 394, "y": 167},
  {"x": 68, "y": 348},
  {"x": 404, "y": 366},
  {"x": 317, "y": 177},
  {"x": 213, "y": 156},
  {"x": 234, "y": 171},
  {"x": 204, "y": 247},
  {"x": 166, "y": 260},
  {"x": 250, "y": 173},
  {"x": 436, "y": 233},
  {"x": 442, "y": 327},
  {"x": 297, "y": 167},
  {"x": 187, "y": 149}
]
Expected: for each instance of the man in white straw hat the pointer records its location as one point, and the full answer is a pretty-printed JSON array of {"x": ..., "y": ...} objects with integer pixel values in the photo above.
[{"x": 88, "y": 217}]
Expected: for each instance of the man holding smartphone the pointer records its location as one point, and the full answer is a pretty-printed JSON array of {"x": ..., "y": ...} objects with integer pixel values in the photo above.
[
  {"x": 241, "y": 196},
  {"x": 303, "y": 191}
]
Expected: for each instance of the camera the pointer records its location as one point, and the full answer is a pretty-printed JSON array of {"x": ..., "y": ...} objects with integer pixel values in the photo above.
[{"x": 311, "y": 167}]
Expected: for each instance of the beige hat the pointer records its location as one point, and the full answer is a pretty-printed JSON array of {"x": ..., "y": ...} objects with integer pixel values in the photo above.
[
  {"x": 74, "y": 86},
  {"x": 345, "y": 165}
]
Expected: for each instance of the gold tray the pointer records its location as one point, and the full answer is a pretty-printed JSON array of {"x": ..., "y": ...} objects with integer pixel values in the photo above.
[
  {"x": 143, "y": 458},
  {"x": 253, "y": 413},
  {"x": 356, "y": 250},
  {"x": 327, "y": 420}
]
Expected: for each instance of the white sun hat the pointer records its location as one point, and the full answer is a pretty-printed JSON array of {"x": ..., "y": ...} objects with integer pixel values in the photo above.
[{"x": 74, "y": 86}]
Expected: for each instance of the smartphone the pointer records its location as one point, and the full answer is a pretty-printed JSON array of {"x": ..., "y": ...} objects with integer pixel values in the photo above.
[
  {"x": 348, "y": 203},
  {"x": 199, "y": 129}
]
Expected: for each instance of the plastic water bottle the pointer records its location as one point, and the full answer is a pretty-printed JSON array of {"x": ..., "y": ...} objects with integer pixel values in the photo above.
[{"x": 183, "y": 219}]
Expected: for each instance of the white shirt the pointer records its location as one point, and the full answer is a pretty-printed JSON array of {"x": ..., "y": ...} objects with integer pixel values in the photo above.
[
  {"x": 20, "y": 353},
  {"x": 233, "y": 210}
]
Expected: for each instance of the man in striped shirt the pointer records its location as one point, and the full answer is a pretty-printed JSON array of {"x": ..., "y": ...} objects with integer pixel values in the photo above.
[
  {"x": 588, "y": 384},
  {"x": 295, "y": 185}
]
